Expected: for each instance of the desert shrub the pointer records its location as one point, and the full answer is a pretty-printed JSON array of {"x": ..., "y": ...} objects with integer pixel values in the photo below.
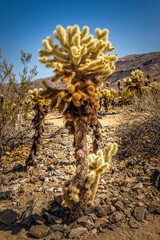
[
  {"x": 13, "y": 105},
  {"x": 139, "y": 131}
]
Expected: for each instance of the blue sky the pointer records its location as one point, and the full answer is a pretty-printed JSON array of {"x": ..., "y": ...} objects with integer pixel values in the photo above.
[{"x": 134, "y": 25}]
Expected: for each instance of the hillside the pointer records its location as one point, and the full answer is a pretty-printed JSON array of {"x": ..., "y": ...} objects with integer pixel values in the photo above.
[{"x": 149, "y": 63}]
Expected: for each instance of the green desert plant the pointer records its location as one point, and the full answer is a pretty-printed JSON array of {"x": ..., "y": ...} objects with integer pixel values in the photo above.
[
  {"x": 13, "y": 94},
  {"x": 82, "y": 62}
]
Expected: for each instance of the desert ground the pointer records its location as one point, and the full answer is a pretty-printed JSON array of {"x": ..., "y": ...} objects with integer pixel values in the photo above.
[{"x": 127, "y": 205}]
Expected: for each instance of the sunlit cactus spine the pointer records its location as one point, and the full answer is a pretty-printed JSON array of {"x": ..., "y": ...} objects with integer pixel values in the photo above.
[{"x": 82, "y": 62}]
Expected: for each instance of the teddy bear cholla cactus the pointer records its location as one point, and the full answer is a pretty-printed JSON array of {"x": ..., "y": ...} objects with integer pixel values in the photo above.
[
  {"x": 135, "y": 81},
  {"x": 80, "y": 62},
  {"x": 98, "y": 163}
]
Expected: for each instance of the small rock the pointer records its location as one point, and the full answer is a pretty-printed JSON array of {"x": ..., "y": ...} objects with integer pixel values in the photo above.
[
  {"x": 133, "y": 223},
  {"x": 140, "y": 204},
  {"x": 14, "y": 186},
  {"x": 100, "y": 212},
  {"x": 86, "y": 221},
  {"x": 119, "y": 206},
  {"x": 39, "y": 231},
  {"x": 8, "y": 216},
  {"x": 153, "y": 208},
  {"x": 53, "y": 219},
  {"x": 59, "y": 227},
  {"x": 38, "y": 219},
  {"x": 110, "y": 209},
  {"x": 101, "y": 222},
  {"x": 5, "y": 193},
  {"x": 18, "y": 167},
  {"x": 77, "y": 232},
  {"x": 116, "y": 217},
  {"x": 138, "y": 186},
  {"x": 94, "y": 231},
  {"x": 140, "y": 196},
  {"x": 139, "y": 213},
  {"x": 27, "y": 221}
]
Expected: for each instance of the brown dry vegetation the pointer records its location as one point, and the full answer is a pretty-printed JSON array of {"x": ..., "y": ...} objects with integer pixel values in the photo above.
[{"x": 139, "y": 131}]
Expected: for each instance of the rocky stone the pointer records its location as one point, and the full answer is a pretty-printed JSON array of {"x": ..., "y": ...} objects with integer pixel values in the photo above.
[
  {"x": 27, "y": 221},
  {"x": 140, "y": 196},
  {"x": 110, "y": 209},
  {"x": 139, "y": 213},
  {"x": 100, "y": 212},
  {"x": 138, "y": 186},
  {"x": 54, "y": 219},
  {"x": 7, "y": 217},
  {"x": 133, "y": 223},
  {"x": 18, "y": 167},
  {"x": 59, "y": 227},
  {"x": 116, "y": 217},
  {"x": 39, "y": 231},
  {"x": 14, "y": 186},
  {"x": 77, "y": 232},
  {"x": 38, "y": 219},
  {"x": 5, "y": 193},
  {"x": 153, "y": 208},
  {"x": 86, "y": 221},
  {"x": 101, "y": 222},
  {"x": 119, "y": 206}
]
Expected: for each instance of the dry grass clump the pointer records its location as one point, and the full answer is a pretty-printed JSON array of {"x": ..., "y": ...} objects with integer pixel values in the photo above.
[{"x": 139, "y": 131}]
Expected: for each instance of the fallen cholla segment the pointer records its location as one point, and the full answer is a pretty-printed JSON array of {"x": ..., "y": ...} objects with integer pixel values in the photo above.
[{"x": 98, "y": 163}]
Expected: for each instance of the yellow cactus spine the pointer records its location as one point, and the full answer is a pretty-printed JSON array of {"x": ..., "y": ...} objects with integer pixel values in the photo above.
[{"x": 97, "y": 164}]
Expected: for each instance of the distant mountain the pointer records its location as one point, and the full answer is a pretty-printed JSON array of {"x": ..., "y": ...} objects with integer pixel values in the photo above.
[{"x": 148, "y": 63}]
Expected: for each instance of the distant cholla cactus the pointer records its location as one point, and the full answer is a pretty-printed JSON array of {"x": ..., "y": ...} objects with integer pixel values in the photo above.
[
  {"x": 154, "y": 86},
  {"x": 135, "y": 81},
  {"x": 80, "y": 61},
  {"x": 127, "y": 82},
  {"x": 109, "y": 95}
]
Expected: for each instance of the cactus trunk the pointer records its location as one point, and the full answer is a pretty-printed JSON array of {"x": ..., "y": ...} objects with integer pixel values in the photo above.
[
  {"x": 97, "y": 137},
  {"x": 41, "y": 112},
  {"x": 81, "y": 154}
]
